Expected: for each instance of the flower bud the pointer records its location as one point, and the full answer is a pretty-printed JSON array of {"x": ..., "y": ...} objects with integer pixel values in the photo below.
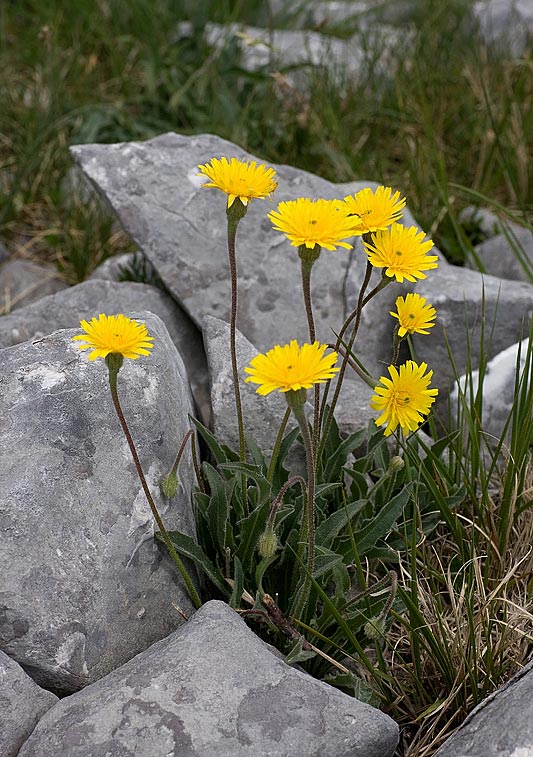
[
  {"x": 169, "y": 485},
  {"x": 375, "y": 628},
  {"x": 396, "y": 463},
  {"x": 268, "y": 543}
]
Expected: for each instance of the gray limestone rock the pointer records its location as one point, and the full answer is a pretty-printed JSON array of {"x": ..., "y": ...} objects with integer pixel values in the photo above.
[
  {"x": 211, "y": 688},
  {"x": 367, "y": 13},
  {"x": 112, "y": 268},
  {"x": 181, "y": 227},
  {"x": 506, "y": 25},
  {"x": 65, "y": 310},
  {"x": 501, "y": 726},
  {"x": 84, "y": 584},
  {"x": 313, "y": 13},
  {"x": 298, "y": 52},
  {"x": 22, "y": 704},
  {"x": 23, "y": 282},
  {"x": 508, "y": 255},
  {"x": 488, "y": 222},
  {"x": 263, "y": 415},
  {"x": 498, "y": 389},
  {"x": 458, "y": 295}
]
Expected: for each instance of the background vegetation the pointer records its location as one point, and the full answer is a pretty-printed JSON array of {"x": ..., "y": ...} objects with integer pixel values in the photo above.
[{"x": 452, "y": 114}]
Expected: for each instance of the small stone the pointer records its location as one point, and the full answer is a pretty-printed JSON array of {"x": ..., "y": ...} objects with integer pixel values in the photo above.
[{"x": 23, "y": 282}]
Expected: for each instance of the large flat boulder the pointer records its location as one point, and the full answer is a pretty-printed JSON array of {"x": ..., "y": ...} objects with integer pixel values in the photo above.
[
  {"x": 211, "y": 688},
  {"x": 84, "y": 585},
  {"x": 180, "y": 226}
]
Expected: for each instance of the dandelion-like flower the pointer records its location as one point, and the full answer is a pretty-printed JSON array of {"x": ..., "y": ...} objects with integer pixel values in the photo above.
[
  {"x": 374, "y": 210},
  {"x": 239, "y": 179},
  {"x": 413, "y": 314},
  {"x": 404, "y": 399},
  {"x": 291, "y": 367},
  {"x": 313, "y": 222},
  {"x": 115, "y": 334},
  {"x": 402, "y": 252}
]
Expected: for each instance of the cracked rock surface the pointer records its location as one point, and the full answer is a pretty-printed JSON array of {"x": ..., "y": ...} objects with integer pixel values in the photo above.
[
  {"x": 84, "y": 585},
  {"x": 211, "y": 688}
]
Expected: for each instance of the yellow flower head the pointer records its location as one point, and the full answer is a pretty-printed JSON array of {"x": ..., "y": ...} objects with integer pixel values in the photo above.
[
  {"x": 239, "y": 179},
  {"x": 401, "y": 251},
  {"x": 115, "y": 333},
  {"x": 374, "y": 211},
  {"x": 414, "y": 316},
  {"x": 313, "y": 222},
  {"x": 404, "y": 398},
  {"x": 291, "y": 367}
]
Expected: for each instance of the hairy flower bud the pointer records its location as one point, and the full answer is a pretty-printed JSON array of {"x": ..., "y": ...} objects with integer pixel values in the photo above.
[
  {"x": 268, "y": 543},
  {"x": 169, "y": 485},
  {"x": 396, "y": 463},
  {"x": 375, "y": 628}
]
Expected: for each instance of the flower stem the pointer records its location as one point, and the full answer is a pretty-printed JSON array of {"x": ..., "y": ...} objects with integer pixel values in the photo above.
[
  {"x": 308, "y": 261},
  {"x": 164, "y": 533},
  {"x": 355, "y": 315},
  {"x": 299, "y": 414},
  {"x": 234, "y": 214},
  {"x": 277, "y": 445},
  {"x": 232, "y": 233}
]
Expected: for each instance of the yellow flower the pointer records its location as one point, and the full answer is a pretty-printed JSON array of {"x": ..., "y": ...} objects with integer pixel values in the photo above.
[
  {"x": 401, "y": 251},
  {"x": 374, "y": 211},
  {"x": 414, "y": 316},
  {"x": 404, "y": 398},
  {"x": 115, "y": 333},
  {"x": 291, "y": 367},
  {"x": 313, "y": 222},
  {"x": 239, "y": 179}
]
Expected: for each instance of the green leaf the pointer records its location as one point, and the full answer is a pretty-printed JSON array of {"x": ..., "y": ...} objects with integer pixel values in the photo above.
[
  {"x": 325, "y": 560},
  {"x": 367, "y": 537},
  {"x": 215, "y": 448},
  {"x": 251, "y": 471},
  {"x": 249, "y": 531},
  {"x": 218, "y": 511},
  {"x": 337, "y": 521},
  {"x": 238, "y": 586},
  {"x": 351, "y": 683},
  {"x": 257, "y": 454},
  {"x": 261, "y": 570},
  {"x": 187, "y": 547},
  {"x": 298, "y": 654}
]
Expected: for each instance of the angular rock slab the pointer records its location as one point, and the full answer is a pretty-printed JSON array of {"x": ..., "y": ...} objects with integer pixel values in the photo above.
[
  {"x": 501, "y": 726},
  {"x": 22, "y": 704},
  {"x": 180, "y": 226},
  {"x": 498, "y": 389},
  {"x": 509, "y": 258},
  {"x": 65, "y": 310},
  {"x": 458, "y": 295},
  {"x": 211, "y": 688},
  {"x": 23, "y": 282},
  {"x": 263, "y": 415},
  {"x": 84, "y": 585}
]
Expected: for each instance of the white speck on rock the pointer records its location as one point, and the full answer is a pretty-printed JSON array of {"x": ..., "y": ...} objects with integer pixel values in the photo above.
[
  {"x": 48, "y": 375},
  {"x": 195, "y": 179},
  {"x": 150, "y": 392}
]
